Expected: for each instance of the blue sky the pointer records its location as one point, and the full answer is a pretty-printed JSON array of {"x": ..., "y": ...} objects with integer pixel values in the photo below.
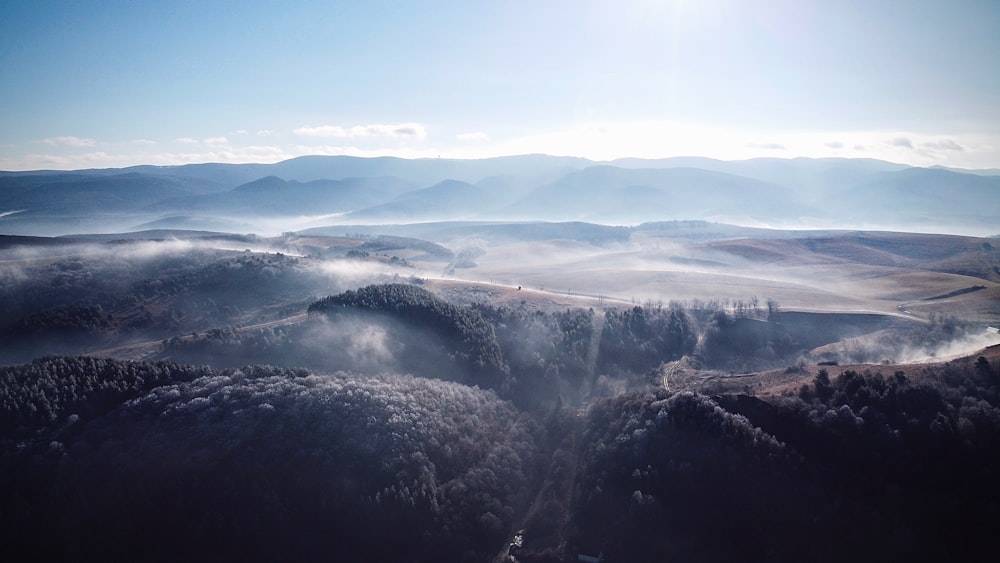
[{"x": 113, "y": 83}]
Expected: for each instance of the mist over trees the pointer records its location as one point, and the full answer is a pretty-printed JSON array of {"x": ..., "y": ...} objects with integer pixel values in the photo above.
[
  {"x": 639, "y": 339},
  {"x": 532, "y": 357},
  {"x": 96, "y": 294},
  {"x": 470, "y": 340},
  {"x": 550, "y": 354}
]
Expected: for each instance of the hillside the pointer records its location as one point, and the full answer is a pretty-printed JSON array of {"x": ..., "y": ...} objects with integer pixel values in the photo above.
[{"x": 481, "y": 390}]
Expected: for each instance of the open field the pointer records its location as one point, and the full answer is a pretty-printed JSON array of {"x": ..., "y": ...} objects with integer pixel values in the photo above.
[{"x": 890, "y": 273}]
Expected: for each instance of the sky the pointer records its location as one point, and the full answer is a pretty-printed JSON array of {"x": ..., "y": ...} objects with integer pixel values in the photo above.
[{"x": 95, "y": 84}]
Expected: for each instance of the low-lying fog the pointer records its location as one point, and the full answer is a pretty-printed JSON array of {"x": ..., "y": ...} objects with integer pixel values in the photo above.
[
  {"x": 190, "y": 284},
  {"x": 902, "y": 347},
  {"x": 639, "y": 270}
]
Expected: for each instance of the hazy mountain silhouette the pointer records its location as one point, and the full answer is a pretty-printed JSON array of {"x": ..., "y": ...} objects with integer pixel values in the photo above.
[
  {"x": 274, "y": 196},
  {"x": 425, "y": 171},
  {"x": 836, "y": 192},
  {"x": 447, "y": 199},
  {"x": 76, "y": 193},
  {"x": 609, "y": 192},
  {"x": 797, "y": 173},
  {"x": 921, "y": 194}
]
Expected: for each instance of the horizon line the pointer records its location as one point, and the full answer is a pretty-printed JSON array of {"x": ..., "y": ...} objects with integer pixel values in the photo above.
[{"x": 499, "y": 157}]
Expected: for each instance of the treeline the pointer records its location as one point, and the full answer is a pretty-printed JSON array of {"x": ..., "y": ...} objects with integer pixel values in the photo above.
[
  {"x": 263, "y": 464},
  {"x": 629, "y": 341},
  {"x": 228, "y": 279},
  {"x": 532, "y": 357},
  {"x": 637, "y": 340},
  {"x": 549, "y": 354},
  {"x": 539, "y": 345},
  {"x": 470, "y": 338},
  {"x": 67, "y": 320},
  {"x": 60, "y": 390},
  {"x": 227, "y": 347}
]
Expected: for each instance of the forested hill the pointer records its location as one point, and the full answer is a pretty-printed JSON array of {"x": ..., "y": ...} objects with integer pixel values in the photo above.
[
  {"x": 861, "y": 466},
  {"x": 49, "y": 391},
  {"x": 258, "y": 464},
  {"x": 471, "y": 338}
]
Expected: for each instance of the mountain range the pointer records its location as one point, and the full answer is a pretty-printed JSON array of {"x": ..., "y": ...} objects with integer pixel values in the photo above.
[{"x": 314, "y": 191}]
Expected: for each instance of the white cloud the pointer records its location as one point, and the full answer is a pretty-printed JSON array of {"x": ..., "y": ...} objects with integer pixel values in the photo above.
[
  {"x": 216, "y": 141},
  {"x": 902, "y": 142},
  {"x": 768, "y": 146},
  {"x": 597, "y": 140},
  {"x": 322, "y": 131},
  {"x": 945, "y": 145},
  {"x": 69, "y": 141},
  {"x": 60, "y": 162},
  {"x": 472, "y": 137},
  {"x": 101, "y": 159},
  {"x": 608, "y": 140},
  {"x": 352, "y": 150},
  {"x": 265, "y": 133},
  {"x": 394, "y": 131}
]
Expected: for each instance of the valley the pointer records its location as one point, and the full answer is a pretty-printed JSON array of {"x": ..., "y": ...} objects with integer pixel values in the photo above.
[{"x": 527, "y": 390}]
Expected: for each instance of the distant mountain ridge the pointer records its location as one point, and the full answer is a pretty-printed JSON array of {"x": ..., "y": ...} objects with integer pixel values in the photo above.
[
  {"x": 272, "y": 195},
  {"x": 801, "y": 192}
]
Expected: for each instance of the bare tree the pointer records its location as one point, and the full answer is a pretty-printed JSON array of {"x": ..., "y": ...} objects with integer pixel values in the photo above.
[{"x": 772, "y": 308}]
